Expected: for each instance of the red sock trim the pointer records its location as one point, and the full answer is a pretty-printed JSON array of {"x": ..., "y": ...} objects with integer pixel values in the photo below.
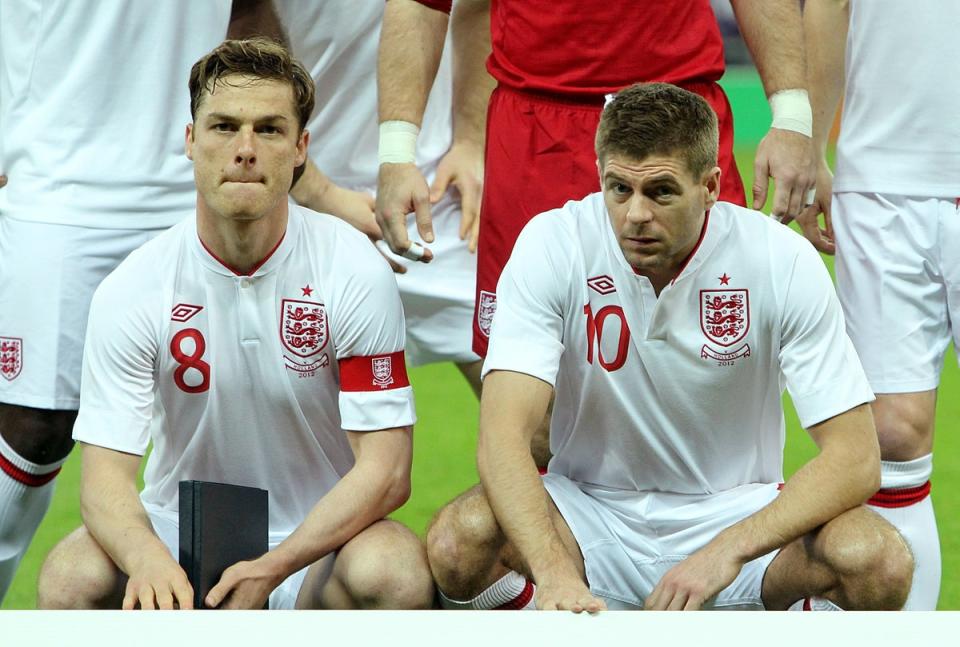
[
  {"x": 21, "y": 476},
  {"x": 522, "y": 599},
  {"x": 900, "y": 498},
  {"x": 806, "y": 605}
]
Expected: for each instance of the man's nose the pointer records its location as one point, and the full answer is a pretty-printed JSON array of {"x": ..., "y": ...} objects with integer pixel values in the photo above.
[
  {"x": 639, "y": 209},
  {"x": 246, "y": 148}
]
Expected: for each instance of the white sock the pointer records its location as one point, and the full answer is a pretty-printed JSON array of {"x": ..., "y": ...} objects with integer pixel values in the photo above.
[
  {"x": 904, "y": 501},
  {"x": 25, "y": 493},
  {"x": 511, "y": 592},
  {"x": 814, "y": 604}
]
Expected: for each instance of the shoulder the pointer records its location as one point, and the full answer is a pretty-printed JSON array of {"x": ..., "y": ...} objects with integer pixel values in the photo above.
[
  {"x": 753, "y": 232},
  {"x": 573, "y": 226},
  {"x": 143, "y": 271}
]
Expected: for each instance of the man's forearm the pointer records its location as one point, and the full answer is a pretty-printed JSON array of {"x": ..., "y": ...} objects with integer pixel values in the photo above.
[
  {"x": 111, "y": 508},
  {"x": 825, "y": 25},
  {"x": 773, "y": 32},
  {"x": 472, "y": 84},
  {"x": 842, "y": 476},
  {"x": 250, "y": 18},
  {"x": 411, "y": 43},
  {"x": 370, "y": 491}
]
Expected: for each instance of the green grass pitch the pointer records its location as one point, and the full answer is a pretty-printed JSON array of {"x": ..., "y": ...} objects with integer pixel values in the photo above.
[{"x": 445, "y": 438}]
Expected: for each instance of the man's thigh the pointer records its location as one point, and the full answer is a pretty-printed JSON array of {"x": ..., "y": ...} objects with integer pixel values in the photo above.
[
  {"x": 898, "y": 278},
  {"x": 630, "y": 541},
  {"x": 78, "y": 574},
  {"x": 48, "y": 274}
]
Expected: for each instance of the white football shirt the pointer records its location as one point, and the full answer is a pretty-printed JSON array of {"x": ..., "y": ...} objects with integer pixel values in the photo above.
[
  {"x": 93, "y": 106},
  {"x": 338, "y": 40},
  {"x": 680, "y": 393},
  {"x": 900, "y": 133},
  {"x": 254, "y": 377}
]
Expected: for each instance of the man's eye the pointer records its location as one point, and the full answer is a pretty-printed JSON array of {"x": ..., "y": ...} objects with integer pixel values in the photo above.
[
  {"x": 223, "y": 127},
  {"x": 269, "y": 130},
  {"x": 662, "y": 191},
  {"x": 620, "y": 188}
]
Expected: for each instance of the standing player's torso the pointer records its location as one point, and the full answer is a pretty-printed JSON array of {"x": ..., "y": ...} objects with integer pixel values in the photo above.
[
  {"x": 338, "y": 40},
  {"x": 680, "y": 369},
  {"x": 94, "y": 101},
  {"x": 900, "y": 133},
  {"x": 598, "y": 46}
]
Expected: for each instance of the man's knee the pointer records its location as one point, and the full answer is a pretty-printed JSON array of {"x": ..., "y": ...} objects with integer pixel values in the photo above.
[
  {"x": 40, "y": 436},
  {"x": 872, "y": 561},
  {"x": 386, "y": 569},
  {"x": 463, "y": 541},
  {"x": 77, "y": 574},
  {"x": 905, "y": 424}
]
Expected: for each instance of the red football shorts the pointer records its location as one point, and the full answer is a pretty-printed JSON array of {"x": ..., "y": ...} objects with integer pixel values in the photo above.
[{"x": 540, "y": 155}]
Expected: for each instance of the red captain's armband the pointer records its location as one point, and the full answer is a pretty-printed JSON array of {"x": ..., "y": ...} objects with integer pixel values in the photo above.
[
  {"x": 439, "y": 5},
  {"x": 374, "y": 373}
]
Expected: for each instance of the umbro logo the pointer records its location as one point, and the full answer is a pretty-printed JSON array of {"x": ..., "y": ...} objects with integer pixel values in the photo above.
[
  {"x": 183, "y": 312},
  {"x": 602, "y": 284}
]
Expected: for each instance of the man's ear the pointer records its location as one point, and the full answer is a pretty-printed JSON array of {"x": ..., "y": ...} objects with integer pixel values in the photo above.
[
  {"x": 189, "y": 142},
  {"x": 303, "y": 143},
  {"x": 711, "y": 187}
]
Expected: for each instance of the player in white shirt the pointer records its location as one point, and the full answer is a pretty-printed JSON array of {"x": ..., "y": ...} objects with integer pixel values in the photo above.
[
  {"x": 269, "y": 340},
  {"x": 92, "y": 100},
  {"x": 896, "y": 223},
  {"x": 667, "y": 325},
  {"x": 338, "y": 42}
]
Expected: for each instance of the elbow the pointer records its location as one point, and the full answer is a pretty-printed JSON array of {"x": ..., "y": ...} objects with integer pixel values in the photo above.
[{"x": 396, "y": 490}]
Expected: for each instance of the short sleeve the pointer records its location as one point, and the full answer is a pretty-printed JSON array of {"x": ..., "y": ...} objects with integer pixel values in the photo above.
[
  {"x": 369, "y": 330},
  {"x": 117, "y": 384},
  {"x": 527, "y": 331},
  {"x": 822, "y": 370}
]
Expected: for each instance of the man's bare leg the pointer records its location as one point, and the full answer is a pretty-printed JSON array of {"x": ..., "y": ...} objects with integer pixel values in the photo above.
[{"x": 78, "y": 574}]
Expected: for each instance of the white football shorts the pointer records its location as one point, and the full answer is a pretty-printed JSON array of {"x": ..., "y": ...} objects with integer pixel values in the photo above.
[
  {"x": 629, "y": 540},
  {"x": 283, "y": 597},
  {"x": 898, "y": 278},
  {"x": 438, "y": 296},
  {"x": 48, "y": 274}
]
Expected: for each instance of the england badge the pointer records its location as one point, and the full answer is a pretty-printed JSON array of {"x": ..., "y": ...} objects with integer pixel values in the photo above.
[{"x": 11, "y": 357}]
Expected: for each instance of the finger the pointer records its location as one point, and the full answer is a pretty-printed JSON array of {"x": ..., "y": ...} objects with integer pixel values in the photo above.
[
  {"x": 394, "y": 230},
  {"x": 184, "y": 593},
  {"x": 440, "y": 184},
  {"x": 678, "y": 601},
  {"x": 694, "y": 603},
  {"x": 3, "y": 181},
  {"x": 424, "y": 220},
  {"x": 594, "y": 605},
  {"x": 825, "y": 207},
  {"x": 129, "y": 598},
  {"x": 781, "y": 200},
  {"x": 469, "y": 209},
  {"x": 146, "y": 598},
  {"x": 761, "y": 177},
  {"x": 395, "y": 266},
  {"x": 218, "y": 593},
  {"x": 165, "y": 600}
]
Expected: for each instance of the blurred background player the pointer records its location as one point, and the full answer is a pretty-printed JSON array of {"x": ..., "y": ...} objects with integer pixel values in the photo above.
[
  {"x": 667, "y": 324},
  {"x": 553, "y": 63},
  {"x": 271, "y": 338},
  {"x": 895, "y": 207},
  {"x": 92, "y": 107},
  {"x": 338, "y": 41}
]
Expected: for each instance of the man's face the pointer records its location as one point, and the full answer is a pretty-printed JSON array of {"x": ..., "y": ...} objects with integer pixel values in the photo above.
[
  {"x": 656, "y": 209},
  {"x": 244, "y": 145}
]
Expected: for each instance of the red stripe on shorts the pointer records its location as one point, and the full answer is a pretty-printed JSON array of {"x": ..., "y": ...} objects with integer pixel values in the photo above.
[
  {"x": 24, "y": 477},
  {"x": 374, "y": 373},
  {"x": 519, "y": 602},
  {"x": 901, "y": 498}
]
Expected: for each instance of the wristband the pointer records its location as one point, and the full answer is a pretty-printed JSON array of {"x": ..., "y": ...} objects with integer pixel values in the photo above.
[
  {"x": 398, "y": 142},
  {"x": 791, "y": 111}
]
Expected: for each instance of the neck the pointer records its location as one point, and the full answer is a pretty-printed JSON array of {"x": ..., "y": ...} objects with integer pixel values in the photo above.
[{"x": 241, "y": 245}]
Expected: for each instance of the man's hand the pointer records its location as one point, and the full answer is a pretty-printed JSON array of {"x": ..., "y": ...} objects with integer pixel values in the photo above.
[
  {"x": 355, "y": 207},
  {"x": 689, "y": 584},
  {"x": 567, "y": 594},
  {"x": 158, "y": 582},
  {"x": 401, "y": 189},
  {"x": 245, "y": 585},
  {"x": 462, "y": 166},
  {"x": 809, "y": 220},
  {"x": 787, "y": 157}
]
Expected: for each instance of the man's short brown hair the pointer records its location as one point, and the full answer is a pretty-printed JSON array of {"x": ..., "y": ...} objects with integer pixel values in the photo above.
[
  {"x": 659, "y": 119},
  {"x": 257, "y": 57}
]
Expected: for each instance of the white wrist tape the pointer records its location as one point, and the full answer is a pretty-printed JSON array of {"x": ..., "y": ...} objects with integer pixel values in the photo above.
[
  {"x": 398, "y": 142},
  {"x": 791, "y": 111}
]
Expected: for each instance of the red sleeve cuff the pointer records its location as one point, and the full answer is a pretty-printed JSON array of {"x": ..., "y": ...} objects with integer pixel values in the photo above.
[
  {"x": 439, "y": 5},
  {"x": 375, "y": 373}
]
